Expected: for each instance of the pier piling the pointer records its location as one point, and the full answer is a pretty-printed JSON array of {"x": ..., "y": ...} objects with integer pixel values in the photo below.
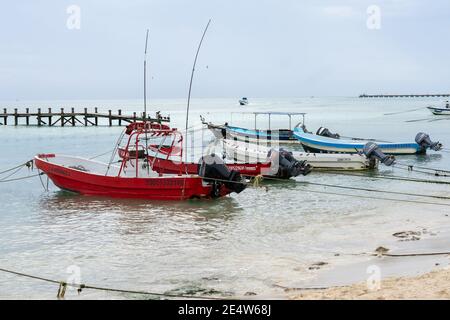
[{"x": 39, "y": 120}]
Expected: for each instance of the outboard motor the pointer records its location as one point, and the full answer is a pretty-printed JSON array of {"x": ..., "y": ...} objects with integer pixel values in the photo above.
[
  {"x": 212, "y": 167},
  {"x": 373, "y": 151},
  {"x": 288, "y": 166},
  {"x": 424, "y": 141},
  {"x": 324, "y": 132}
]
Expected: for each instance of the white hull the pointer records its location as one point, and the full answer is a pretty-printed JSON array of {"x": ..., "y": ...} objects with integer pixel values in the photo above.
[
  {"x": 440, "y": 111},
  {"x": 250, "y": 152}
]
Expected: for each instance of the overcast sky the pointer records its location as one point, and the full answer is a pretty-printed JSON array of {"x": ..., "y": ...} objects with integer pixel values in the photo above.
[{"x": 255, "y": 48}]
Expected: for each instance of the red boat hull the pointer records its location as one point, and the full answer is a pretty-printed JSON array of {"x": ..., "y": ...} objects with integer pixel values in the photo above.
[
  {"x": 168, "y": 166},
  {"x": 159, "y": 188}
]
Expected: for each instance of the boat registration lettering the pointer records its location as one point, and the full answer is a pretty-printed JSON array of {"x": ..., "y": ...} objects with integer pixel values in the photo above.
[
  {"x": 165, "y": 182},
  {"x": 60, "y": 171},
  {"x": 243, "y": 168}
]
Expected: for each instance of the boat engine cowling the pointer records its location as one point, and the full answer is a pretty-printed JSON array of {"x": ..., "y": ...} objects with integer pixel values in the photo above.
[
  {"x": 324, "y": 132},
  {"x": 212, "y": 169},
  {"x": 372, "y": 150},
  {"x": 424, "y": 141},
  {"x": 288, "y": 166}
]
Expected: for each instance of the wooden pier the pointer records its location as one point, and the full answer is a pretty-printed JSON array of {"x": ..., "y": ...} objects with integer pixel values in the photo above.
[
  {"x": 440, "y": 95},
  {"x": 72, "y": 118}
]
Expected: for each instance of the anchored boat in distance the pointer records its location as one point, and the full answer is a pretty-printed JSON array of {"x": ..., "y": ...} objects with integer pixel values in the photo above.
[
  {"x": 243, "y": 101},
  {"x": 440, "y": 111}
]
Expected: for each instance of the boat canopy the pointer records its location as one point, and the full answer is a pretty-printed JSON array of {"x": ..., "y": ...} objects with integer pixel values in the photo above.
[{"x": 273, "y": 113}]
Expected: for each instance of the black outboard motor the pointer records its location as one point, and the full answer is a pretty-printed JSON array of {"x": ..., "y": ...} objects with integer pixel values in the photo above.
[
  {"x": 212, "y": 167},
  {"x": 284, "y": 165},
  {"x": 424, "y": 141},
  {"x": 373, "y": 151},
  {"x": 324, "y": 132}
]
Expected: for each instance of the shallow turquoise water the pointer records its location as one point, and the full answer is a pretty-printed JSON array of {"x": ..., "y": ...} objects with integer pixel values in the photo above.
[{"x": 244, "y": 243}]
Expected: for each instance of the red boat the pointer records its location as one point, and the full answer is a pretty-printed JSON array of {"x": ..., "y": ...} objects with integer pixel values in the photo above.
[
  {"x": 134, "y": 178},
  {"x": 167, "y": 159},
  {"x": 163, "y": 165}
]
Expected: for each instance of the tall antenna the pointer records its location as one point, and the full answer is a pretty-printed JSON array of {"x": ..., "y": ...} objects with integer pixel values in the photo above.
[
  {"x": 145, "y": 104},
  {"x": 190, "y": 86},
  {"x": 145, "y": 77}
]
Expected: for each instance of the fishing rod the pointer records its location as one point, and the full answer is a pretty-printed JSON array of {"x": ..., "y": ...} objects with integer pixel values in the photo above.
[
  {"x": 190, "y": 84},
  {"x": 145, "y": 101}
]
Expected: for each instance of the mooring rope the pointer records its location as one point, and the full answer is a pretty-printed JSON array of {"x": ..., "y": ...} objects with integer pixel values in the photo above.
[
  {"x": 375, "y": 190},
  {"x": 27, "y": 164},
  {"x": 407, "y": 167},
  {"x": 378, "y": 198},
  {"x": 23, "y": 178},
  {"x": 102, "y": 154},
  {"x": 80, "y": 287},
  {"x": 388, "y": 177},
  {"x": 62, "y": 285},
  {"x": 421, "y": 167},
  {"x": 12, "y": 173},
  {"x": 15, "y": 170},
  {"x": 251, "y": 184},
  {"x": 416, "y": 254}
]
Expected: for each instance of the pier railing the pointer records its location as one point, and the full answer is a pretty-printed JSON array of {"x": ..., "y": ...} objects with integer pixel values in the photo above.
[
  {"x": 405, "y": 95},
  {"x": 72, "y": 118}
]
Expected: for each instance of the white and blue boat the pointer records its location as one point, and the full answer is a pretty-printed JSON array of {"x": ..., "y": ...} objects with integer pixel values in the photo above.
[
  {"x": 255, "y": 135},
  {"x": 333, "y": 143}
]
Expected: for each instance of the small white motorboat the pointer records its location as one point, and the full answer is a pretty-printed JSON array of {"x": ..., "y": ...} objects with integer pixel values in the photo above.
[
  {"x": 440, "y": 111},
  {"x": 250, "y": 152}
]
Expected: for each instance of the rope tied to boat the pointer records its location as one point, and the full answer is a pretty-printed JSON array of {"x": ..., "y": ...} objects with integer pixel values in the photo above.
[
  {"x": 62, "y": 286},
  {"x": 28, "y": 164},
  {"x": 42, "y": 183},
  {"x": 423, "y": 170},
  {"x": 14, "y": 170}
]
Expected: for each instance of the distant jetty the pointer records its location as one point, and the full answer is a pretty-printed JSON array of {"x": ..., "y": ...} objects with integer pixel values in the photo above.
[
  {"x": 404, "y": 95},
  {"x": 72, "y": 118}
]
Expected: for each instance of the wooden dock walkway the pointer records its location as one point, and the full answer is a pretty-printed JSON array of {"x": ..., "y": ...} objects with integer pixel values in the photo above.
[
  {"x": 63, "y": 118},
  {"x": 439, "y": 95}
]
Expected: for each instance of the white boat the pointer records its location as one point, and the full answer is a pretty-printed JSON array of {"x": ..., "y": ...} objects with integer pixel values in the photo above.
[
  {"x": 439, "y": 111},
  {"x": 250, "y": 152},
  {"x": 243, "y": 101}
]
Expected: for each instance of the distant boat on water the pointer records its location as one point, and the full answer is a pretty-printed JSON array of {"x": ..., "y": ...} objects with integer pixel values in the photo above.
[
  {"x": 243, "y": 101},
  {"x": 440, "y": 111}
]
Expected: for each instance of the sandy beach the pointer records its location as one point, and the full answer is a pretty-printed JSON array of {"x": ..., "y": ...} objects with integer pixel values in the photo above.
[{"x": 432, "y": 285}]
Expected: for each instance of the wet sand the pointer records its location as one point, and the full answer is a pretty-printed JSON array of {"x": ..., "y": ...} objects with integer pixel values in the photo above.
[{"x": 432, "y": 285}]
